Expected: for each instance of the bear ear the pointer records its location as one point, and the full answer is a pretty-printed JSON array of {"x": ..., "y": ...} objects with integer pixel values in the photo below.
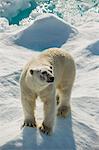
[{"x": 31, "y": 71}]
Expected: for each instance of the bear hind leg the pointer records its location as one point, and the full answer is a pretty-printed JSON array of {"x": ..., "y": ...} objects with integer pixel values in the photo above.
[{"x": 64, "y": 106}]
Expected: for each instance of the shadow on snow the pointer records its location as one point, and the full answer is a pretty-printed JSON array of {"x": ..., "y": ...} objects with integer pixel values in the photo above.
[
  {"x": 45, "y": 32},
  {"x": 32, "y": 139},
  {"x": 94, "y": 48}
]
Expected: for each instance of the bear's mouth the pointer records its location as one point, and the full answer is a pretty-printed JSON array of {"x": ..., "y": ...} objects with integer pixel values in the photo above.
[{"x": 51, "y": 79}]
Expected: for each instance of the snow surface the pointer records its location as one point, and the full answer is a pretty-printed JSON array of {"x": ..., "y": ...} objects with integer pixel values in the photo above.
[{"x": 80, "y": 130}]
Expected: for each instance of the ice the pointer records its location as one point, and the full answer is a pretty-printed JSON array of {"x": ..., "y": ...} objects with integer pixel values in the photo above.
[
  {"x": 10, "y": 8},
  {"x": 74, "y": 11},
  {"x": 3, "y": 24}
]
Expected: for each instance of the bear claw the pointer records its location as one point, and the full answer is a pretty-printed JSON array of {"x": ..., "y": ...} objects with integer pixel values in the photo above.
[
  {"x": 29, "y": 124},
  {"x": 46, "y": 130},
  {"x": 63, "y": 111}
]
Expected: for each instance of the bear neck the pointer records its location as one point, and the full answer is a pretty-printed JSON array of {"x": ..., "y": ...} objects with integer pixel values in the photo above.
[{"x": 40, "y": 89}]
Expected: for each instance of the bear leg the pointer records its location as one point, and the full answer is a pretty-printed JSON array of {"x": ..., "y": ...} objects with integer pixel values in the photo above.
[
  {"x": 28, "y": 103},
  {"x": 49, "y": 115},
  {"x": 64, "y": 107}
]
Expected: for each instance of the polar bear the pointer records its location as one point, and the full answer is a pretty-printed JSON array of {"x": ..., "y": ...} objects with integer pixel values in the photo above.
[{"x": 51, "y": 72}]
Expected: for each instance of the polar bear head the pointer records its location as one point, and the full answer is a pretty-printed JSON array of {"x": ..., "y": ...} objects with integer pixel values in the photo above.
[{"x": 40, "y": 77}]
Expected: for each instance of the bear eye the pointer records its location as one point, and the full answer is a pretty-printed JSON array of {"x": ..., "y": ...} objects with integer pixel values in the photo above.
[
  {"x": 31, "y": 72},
  {"x": 50, "y": 67}
]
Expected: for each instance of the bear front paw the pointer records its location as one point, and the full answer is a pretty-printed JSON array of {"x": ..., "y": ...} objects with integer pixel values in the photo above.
[
  {"x": 63, "y": 111},
  {"x": 29, "y": 123},
  {"x": 47, "y": 130}
]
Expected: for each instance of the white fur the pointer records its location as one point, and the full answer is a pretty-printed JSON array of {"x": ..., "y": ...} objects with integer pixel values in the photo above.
[{"x": 63, "y": 70}]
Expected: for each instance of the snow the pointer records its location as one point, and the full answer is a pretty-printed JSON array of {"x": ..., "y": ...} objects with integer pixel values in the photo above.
[
  {"x": 80, "y": 130},
  {"x": 31, "y": 37}
]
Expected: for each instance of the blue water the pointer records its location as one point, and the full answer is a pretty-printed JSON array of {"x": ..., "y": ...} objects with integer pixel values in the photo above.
[{"x": 51, "y": 6}]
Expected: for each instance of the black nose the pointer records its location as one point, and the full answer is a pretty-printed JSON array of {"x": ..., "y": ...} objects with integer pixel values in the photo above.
[
  {"x": 51, "y": 79},
  {"x": 31, "y": 72}
]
